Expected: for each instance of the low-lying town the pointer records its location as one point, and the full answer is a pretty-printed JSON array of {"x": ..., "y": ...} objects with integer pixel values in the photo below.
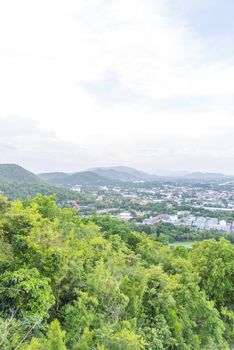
[
  {"x": 194, "y": 222},
  {"x": 199, "y": 206}
]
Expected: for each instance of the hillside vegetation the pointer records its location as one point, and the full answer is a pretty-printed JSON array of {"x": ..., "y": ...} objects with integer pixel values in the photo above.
[
  {"x": 97, "y": 176},
  {"x": 87, "y": 284},
  {"x": 17, "y": 182},
  {"x": 82, "y": 178},
  {"x": 14, "y": 172},
  {"x": 123, "y": 173}
]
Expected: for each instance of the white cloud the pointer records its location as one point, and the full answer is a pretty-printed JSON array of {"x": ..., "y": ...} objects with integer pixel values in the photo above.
[
  {"x": 56, "y": 58},
  {"x": 23, "y": 142}
]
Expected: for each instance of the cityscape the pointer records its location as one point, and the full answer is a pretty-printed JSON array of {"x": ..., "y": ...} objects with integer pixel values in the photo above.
[{"x": 199, "y": 206}]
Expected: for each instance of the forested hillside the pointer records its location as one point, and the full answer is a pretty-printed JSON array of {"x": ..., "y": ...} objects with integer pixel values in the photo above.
[
  {"x": 87, "y": 284},
  {"x": 97, "y": 176},
  {"x": 17, "y": 182},
  {"x": 82, "y": 178},
  {"x": 14, "y": 172}
]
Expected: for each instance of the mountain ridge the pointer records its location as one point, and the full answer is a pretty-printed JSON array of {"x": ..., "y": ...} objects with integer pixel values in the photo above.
[
  {"x": 71, "y": 179},
  {"x": 17, "y": 182},
  {"x": 15, "y": 172},
  {"x": 123, "y": 173},
  {"x": 101, "y": 175}
]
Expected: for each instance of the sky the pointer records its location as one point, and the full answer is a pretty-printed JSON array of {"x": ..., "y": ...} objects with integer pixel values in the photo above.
[{"x": 143, "y": 83}]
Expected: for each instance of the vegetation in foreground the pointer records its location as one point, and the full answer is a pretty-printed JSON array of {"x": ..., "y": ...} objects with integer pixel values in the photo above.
[{"x": 80, "y": 284}]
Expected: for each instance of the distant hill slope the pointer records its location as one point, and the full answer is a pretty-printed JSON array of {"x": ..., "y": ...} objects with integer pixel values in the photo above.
[
  {"x": 81, "y": 178},
  {"x": 123, "y": 173},
  {"x": 58, "y": 178},
  {"x": 206, "y": 176},
  {"x": 114, "y": 175},
  {"x": 97, "y": 176},
  {"x": 14, "y": 172},
  {"x": 17, "y": 182}
]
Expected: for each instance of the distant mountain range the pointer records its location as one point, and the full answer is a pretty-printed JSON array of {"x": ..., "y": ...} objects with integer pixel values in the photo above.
[
  {"x": 97, "y": 176},
  {"x": 110, "y": 175},
  {"x": 206, "y": 176},
  {"x": 14, "y": 172},
  {"x": 15, "y": 181},
  {"x": 123, "y": 173},
  {"x": 81, "y": 178}
]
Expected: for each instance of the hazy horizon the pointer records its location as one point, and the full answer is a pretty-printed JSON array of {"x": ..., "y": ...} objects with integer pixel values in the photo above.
[
  {"x": 158, "y": 172},
  {"x": 92, "y": 83}
]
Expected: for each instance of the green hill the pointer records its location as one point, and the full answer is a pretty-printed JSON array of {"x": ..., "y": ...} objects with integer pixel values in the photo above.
[
  {"x": 123, "y": 173},
  {"x": 14, "y": 172},
  {"x": 206, "y": 176},
  {"x": 81, "y": 178},
  {"x": 57, "y": 178},
  {"x": 97, "y": 176},
  {"x": 17, "y": 182}
]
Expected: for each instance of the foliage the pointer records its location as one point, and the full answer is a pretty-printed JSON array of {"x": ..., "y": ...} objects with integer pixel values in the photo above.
[{"x": 94, "y": 284}]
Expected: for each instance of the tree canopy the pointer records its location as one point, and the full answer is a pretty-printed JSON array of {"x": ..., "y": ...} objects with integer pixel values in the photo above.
[{"x": 93, "y": 284}]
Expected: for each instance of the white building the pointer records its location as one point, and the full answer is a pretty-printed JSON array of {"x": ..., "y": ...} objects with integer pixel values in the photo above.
[
  {"x": 125, "y": 216},
  {"x": 223, "y": 225}
]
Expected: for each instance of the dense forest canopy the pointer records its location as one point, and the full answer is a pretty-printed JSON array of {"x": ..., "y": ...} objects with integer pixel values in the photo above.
[
  {"x": 17, "y": 182},
  {"x": 14, "y": 172},
  {"x": 75, "y": 283}
]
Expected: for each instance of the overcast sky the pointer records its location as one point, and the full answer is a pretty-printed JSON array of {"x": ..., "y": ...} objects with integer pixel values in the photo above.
[{"x": 144, "y": 83}]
